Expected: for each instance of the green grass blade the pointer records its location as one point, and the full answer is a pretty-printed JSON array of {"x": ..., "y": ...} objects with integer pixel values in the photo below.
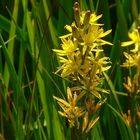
[{"x": 126, "y": 132}]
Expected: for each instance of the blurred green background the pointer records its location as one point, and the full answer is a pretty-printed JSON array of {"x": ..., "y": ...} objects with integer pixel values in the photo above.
[{"x": 29, "y": 30}]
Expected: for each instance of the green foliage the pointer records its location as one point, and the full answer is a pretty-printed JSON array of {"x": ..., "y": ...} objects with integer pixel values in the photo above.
[{"x": 29, "y": 30}]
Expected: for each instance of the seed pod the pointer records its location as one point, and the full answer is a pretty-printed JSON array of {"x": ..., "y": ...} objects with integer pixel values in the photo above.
[
  {"x": 86, "y": 19},
  {"x": 138, "y": 29},
  {"x": 75, "y": 32},
  {"x": 77, "y": 13}
]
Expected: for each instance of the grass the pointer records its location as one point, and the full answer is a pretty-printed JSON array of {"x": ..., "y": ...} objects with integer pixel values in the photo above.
[{"x": 29, "y": 30}]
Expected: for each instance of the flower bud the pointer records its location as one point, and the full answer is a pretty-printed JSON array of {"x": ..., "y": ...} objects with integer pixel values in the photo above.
[
  {"x": 86, "y": 19},
  {"x": 77, "y": 13}
]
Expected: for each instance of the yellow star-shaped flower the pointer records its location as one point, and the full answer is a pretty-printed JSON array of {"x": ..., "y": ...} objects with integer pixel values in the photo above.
[
  {"x": 135, "y": 39},
  {"x": 70, "y": 109}
]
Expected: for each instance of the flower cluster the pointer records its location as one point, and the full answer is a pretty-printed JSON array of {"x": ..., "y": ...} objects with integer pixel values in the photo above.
[
  {"x": 71, "y": 111},
  {"x": 133, "y": 81},
  {"x": 133, "y": 60},
  {"x": 83, "y": 62}
]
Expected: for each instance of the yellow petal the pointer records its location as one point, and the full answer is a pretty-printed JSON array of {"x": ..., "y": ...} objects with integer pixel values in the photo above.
[
  {"x": 128, "y": 56},
  {"x": 65, "y": 36},
  {"x": 134, "y": 35},
  {"x": 106, "y": 68},
  {"x": 84, "y": 49},
  {"x": 69, "y": 95},
  {"x": 105, "y": 33},
  {"x": 62, "y": 59},
  {"x": 85, "y": 122},
  {"x": 94, "y": 18},
  {"x": 96, "y": 94},
  {"x": 81, "y": 95},
  {"x": 91, "y": 124},
  {"x": 97, "y": 50},
  {"x": 125, "y": 44},
  {"x": 137, "y": 47},
  {"x": 105, "y": 42},
  {"x": 59, "y": 51},
  {"x": 61, "y": 101},
  {"x": 62, "y": 114},
  {"x": 68, "y": 27},
  {"x": 103, "y": 90}
]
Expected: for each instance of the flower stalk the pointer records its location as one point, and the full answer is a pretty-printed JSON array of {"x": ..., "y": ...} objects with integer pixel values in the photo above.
[{"x": 133, "y": 82}]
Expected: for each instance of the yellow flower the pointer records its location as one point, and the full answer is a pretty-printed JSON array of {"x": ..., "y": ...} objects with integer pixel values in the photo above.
[
  {"x": 86, "y": 17},
  {"x": 68, "y": 47},
  {"x": 70, "y": 66},
  {"x": 94, "y": 18},
  {"x": 83, "y": 18},
  {"x": 94, "y": 35},
  {"x": 70, "y": 109},
  {"x": 82, "y": 60},
  {"x": 69, "y": 56},
  {"x": 92, "y": 86},
  {"x": 132, "y": 60},
  {"x": 87, "y": 125},
  {"x": 128, "y": 117},
  {"x": 135, "y": 39},
  {"x": 132, "y": 86}
]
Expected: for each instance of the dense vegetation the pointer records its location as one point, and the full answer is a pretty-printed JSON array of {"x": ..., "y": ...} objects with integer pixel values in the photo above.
[{"x": 29, "y": 58}]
